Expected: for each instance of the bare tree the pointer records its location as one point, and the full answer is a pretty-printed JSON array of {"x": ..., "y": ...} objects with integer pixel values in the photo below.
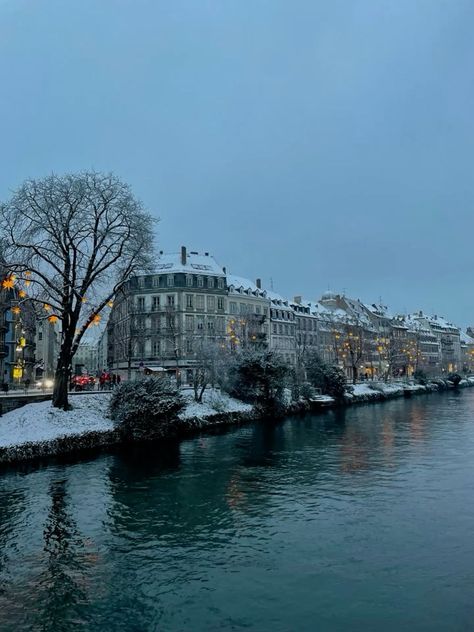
[
  {"x": 209, "y": 357},
  {"x": 76, "y": 239}
]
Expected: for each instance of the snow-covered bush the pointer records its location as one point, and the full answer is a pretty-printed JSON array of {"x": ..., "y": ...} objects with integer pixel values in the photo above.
[
  {"x": 330, "y": 379},
  {"x": 217, "y": 402},
  {"x": 259, "y": 377},
  {"x": 454, "y": 378},
  {"x": 420, "y": 376},
  {"x": 307, "y": 391},
  {"x": 146, "y": 409}
]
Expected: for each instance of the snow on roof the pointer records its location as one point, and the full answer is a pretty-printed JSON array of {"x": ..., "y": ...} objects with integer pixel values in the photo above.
[
  {"x": 381, "y": 311},
  {"x": 241, "y": 282},
  {"x": 283, "y": 303},
  {"x": 168, "y": 263},
  {"x": 466, "y": 339}
]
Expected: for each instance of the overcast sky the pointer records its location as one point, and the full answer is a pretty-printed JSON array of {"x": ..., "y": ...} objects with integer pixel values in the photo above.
[{"x": 317, "y": 144}]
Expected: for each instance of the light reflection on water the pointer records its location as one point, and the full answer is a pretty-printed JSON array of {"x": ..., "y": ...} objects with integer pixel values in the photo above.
[{"x": 357, "y": 519}]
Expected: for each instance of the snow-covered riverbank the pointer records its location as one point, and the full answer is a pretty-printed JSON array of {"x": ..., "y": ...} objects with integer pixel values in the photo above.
[{"x": 38, "y": 429}]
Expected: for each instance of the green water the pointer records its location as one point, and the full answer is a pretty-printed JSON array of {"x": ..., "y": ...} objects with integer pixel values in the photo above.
[{"x": 360, "y": 519}]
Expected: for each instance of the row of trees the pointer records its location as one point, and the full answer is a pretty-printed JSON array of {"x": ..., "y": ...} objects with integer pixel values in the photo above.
[
  {"x": 351, "y": 341},
  {"x": 148, "y": 408}
]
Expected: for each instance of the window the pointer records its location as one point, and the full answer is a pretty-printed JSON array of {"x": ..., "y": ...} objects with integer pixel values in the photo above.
[
  {"x": 189, "y": 346},
  {"x": 210, "y": 324},
  {"x": 257, "y": 310},
  {"x": 274, "y": 328},
  {"x": 189, "y": 301},
  {"x": 170, "y": 300},
  {"x": 156, "y": 281},
  {"x": 140, "y": 281},
  {"x": 155, "y": 347},
  {"x": 280, "y": 329},
  {"x": 211, "y": 303},
  {"x": 200, "y": 323},
  {"x": 286, "y": 330},
  {"x": 220, "y": 324},
  {"x": 220, "y": 284},
  {"x": 155, "y": 303},
  {"x": 200, "y": 281},
  {"x": 189, "y": 280},
  {"x": 189, "y": 323},
  {"x": 155, "y": 323},
  {"x": 170, "y": 280},
  {"x": 40, "y": 335},
  {"x": 242, "y": 308},
  {"x": 233, "y": 307},
  {"x": 141, "y": 303},
  {"x": 210, "y": 282},
  {"x": 200, "y": 301},
  {"x": 220, "y": 303}
]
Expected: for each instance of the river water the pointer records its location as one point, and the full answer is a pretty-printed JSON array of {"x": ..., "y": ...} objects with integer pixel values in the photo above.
[{"x": 360, "y": 519}]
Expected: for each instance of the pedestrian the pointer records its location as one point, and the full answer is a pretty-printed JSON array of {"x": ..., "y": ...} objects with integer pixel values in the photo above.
[
  {"x": 114, "y": 380},
  {"x": 102, "y": 381},
  {"x": 5, "y": 387},
  {"x": 119, "y": 379}
]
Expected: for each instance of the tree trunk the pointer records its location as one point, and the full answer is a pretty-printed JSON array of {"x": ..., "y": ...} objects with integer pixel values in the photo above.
[
  {"x": 354, "y": 374},
  {"x": 61, "y": 379}
]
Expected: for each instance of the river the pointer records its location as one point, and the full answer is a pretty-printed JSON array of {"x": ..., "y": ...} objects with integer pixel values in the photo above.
[{"x": 356, "y": 519}]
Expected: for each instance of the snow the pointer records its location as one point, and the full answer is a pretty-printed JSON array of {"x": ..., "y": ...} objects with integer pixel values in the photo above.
[
  {"x": 35, "y": 423},
  {"x": 362, "y": 389},
  {"x": 170, "y": 263},
  {"x": 214, "y": 402},
  {"x": 240, "y": 282}
]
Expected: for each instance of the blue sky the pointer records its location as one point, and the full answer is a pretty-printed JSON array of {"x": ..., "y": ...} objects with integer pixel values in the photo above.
[{"x": 317, "y": 144}]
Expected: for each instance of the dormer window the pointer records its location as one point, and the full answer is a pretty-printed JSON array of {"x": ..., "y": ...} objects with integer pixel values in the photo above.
[
  {"x": 170, "y": 280},
  {"x": 189, "y": 280},
  {"x": 220, "y": 284},
  {"x": 210, "y": 282},
  {"x": 200, "y": 281}
]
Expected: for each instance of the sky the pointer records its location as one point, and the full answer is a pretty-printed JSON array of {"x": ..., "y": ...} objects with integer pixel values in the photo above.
[{"x": 314, "y": 144}]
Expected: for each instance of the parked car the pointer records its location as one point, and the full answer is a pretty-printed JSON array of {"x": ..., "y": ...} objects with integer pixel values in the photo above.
[{"x": 82, "y": 382}]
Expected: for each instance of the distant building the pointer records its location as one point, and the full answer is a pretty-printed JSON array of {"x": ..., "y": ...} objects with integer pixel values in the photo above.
[
  {"x": 85, "y": 359},
  {"x": 47, "y": 348}
]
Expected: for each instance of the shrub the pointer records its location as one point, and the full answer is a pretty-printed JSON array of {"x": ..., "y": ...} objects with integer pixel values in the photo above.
[
  {"x": 330, "y": 379},
  {"x": 306, "y": 391},
  {"x": 259, "y": 377},
  {"x": 454, "y": 378},
  {"x": 146, "y": 409},
  {"x": 420, "y": 376}
]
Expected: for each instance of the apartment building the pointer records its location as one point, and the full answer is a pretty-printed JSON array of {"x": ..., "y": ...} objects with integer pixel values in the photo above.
[{"x": 162, "y": 320}]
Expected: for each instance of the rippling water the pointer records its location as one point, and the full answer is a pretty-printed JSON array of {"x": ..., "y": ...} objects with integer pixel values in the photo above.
[{"x": 361, "y": 519}]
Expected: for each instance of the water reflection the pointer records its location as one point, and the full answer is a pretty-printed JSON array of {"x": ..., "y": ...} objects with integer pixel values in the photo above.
[{"x": 300, "y": 518}]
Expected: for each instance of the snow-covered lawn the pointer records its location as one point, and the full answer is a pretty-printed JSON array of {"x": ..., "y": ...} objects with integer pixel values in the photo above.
[
  {"x": 39, "y": 422},
  {"x": 214, "y": 402}
]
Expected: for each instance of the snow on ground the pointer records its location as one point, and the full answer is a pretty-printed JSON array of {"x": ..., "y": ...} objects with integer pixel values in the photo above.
[
  {"x": 38, "y": 422},
  {"x": 213, "y": 402},
  {"x": 362, "y": 389}
]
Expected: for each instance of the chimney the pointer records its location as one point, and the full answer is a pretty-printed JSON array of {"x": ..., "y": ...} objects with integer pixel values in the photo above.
[
  {"x": 297, "y": 300},
  {"x": 183, "y": 255},
  {"x": 225, "y": 271},
  {"x": 206, "y": 254},
  {"x": 258, "y": 283}
]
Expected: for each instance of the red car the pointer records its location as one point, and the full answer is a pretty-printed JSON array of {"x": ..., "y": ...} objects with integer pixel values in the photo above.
[{"x": 82, "y": 382}]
